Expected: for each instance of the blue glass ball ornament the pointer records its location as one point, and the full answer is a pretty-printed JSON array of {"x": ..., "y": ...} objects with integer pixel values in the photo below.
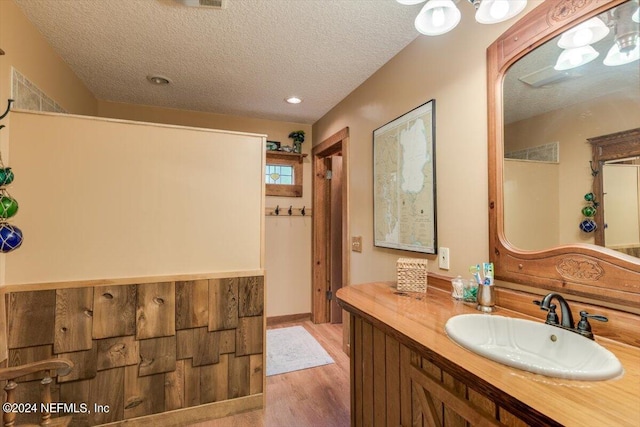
[
  {"x": 10, "y": 237},
  {"x": 6, "y": 176},
  {"x": 588, "y": 225}
]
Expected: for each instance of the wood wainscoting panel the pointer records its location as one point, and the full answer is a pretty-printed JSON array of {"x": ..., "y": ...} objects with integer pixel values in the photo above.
[
  {"x": 117, "y": 352},
  {"x": 214, "y": 383},
  {"x": 30, "y": 318},
  {"x": 114, "y": 311},
  {"x": 73, "y": 320},
  {"x": 174, "y": 383},
  {"x": 223, "y": 304},
  {"x": 156, "y": 310},
  {"x": 85, "y": 364},
  {"x": 192, "y": 304},
  {"x": 142, "y": 395},
  {"x": 22, "y": 356},
  {"x": 107, "y": 389},
  {"x": 157, "y": 355},
  {"x": 146, "y": 348},
  {"x": 206, "y": 347},
  {"x": 250, "y": 296},
  {"x": 239, "y": 376}
]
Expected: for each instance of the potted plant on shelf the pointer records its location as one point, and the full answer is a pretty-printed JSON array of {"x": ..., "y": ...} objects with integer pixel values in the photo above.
[{"x": 298, "y": 139}]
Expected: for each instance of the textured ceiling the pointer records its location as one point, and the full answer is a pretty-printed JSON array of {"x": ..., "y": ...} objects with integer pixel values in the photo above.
[
  {"x": 242, "y": 60},
  {"x": 587, "y": 82}
]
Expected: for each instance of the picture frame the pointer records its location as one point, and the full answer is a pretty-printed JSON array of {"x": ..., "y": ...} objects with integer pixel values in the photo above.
[{"x": 404, "y": 182}]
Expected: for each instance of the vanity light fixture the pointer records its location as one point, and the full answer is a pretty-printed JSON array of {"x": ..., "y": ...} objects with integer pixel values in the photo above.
[
  {"x": 626, "y": 47},
  {"x": 617, "y": 57},
  {"x": 578, "y": 40},
  {"x": 572, "y": 58},
  {"x": 441, "y": 16},
  {"x": 588, "y": 32},
  {"x": 293, "y": 100}
]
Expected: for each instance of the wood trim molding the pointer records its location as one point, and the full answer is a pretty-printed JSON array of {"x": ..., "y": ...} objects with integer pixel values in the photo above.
[
  {"x": 196, "y": 414},
  {"x": 336, "y": 143},
  {"x": 128, "y": 280},
  {"x": 614, "y": 146}
]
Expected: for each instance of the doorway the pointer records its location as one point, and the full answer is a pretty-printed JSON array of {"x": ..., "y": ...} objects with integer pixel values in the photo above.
[{"x": 330, "y": 251}]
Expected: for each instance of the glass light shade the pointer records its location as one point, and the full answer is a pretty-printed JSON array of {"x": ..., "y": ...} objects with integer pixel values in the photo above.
[
  {"x": 437, "y": 17},
  {"x": 588, "y": 32},
  {"x": 494, "y": 11},
  {"x": 636, "y": 16},
  {"x": 572, "y": 58},
  {"x": 410, "y": 2},
  {"x": 615, "y": 57}
]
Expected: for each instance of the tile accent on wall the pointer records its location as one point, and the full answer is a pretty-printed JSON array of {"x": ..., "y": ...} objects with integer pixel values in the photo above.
[
  {"x": 542, "y": 153},
  {"x": 28, "y": 96}
]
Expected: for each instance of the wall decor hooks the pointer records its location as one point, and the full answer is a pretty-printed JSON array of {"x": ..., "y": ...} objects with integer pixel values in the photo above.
[
  {"x": 290, "y": 211},
  {"x": 594, "y": 171},
  {"x": 277, "y": 210},
  {"x": 9, "y": 102},
  {"x": 303, "y": 211}
]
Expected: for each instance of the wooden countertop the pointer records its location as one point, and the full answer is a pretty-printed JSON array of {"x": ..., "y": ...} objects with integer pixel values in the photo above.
[{"x": 420, "y": 318}]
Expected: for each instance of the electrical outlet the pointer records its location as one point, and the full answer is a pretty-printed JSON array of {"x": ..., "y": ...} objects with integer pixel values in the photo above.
[{"x": 443, "y": 258}]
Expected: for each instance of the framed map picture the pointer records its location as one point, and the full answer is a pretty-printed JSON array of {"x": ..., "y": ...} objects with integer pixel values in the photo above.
[{"x": 404, "y": 187}]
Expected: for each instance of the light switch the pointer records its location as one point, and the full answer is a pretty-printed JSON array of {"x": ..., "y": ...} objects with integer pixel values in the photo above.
[{"x": 356, "y": 243}]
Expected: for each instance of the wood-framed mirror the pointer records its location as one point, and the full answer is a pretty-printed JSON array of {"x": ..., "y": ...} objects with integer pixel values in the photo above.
[{"x": 572, "y": 265}]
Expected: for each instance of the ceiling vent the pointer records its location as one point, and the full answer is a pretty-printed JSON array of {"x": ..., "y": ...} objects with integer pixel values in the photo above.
[
  {"x": 214, "y": 4},
  {"x": 547, "y": 76}
]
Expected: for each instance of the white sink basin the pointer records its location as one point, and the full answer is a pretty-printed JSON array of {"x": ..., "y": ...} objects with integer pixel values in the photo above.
[{"x": 533, "y": 346}]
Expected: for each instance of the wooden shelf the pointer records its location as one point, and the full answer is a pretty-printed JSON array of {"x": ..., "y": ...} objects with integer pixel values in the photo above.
[{"x": 285, "y": 155}]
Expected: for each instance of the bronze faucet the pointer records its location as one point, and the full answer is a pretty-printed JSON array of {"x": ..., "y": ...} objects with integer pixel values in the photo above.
[{"x": 583, "y": 328}]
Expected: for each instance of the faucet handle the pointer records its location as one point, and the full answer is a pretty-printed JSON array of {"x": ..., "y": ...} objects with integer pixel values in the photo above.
[
  {"x": 552, "y": 316},
  {"x": 584, "y": 327}
]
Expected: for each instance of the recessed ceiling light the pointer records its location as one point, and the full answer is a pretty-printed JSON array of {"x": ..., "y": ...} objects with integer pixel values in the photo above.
[
  {"x": 158, "y": 80},
  {"x": 293, "y": 100}
]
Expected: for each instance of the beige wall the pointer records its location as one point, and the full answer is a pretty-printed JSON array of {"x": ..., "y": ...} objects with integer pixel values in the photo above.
[
  {"x": 102, "y": 199},
  {"x": 288, "y": 240},
  {"x": 531, "y": 204},
  {"x": 571, "y": 127},
  {"x": 27, "y": 51},
  {"x": 452, "y": 70}
]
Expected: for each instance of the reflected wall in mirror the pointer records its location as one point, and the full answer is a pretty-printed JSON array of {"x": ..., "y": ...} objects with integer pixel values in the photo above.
[
  {"x": 543, "y": 109},
  {"x": 550, "y": 113}
]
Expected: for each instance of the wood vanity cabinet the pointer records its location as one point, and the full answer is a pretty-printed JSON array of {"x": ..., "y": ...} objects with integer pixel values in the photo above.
[{"x": 394, "y": 383}]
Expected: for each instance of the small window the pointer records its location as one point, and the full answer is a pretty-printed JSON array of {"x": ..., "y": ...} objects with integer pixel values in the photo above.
[
  {"x": 279, "y": 174},
  {"x": 283, "y": 174}
]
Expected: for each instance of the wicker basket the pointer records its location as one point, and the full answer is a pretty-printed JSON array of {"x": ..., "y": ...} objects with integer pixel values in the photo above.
[{"x": 412, "y": 274}]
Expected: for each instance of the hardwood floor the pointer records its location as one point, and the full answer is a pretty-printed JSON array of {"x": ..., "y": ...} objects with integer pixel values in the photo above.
[{"x": 307, "y": 398}]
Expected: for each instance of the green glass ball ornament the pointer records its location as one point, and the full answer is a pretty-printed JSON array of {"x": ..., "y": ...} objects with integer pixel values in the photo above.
[
  {"x": 588, "y": 211},
  {"x": 8, "y": 207},
  {"x": 6, "y": 176},
  {"x": 589, "y": 197}
]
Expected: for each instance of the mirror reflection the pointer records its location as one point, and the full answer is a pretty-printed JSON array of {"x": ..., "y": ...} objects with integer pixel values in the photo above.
[
  {"x": 582, "y": 84},
  {"x": 621, "y": 187}
]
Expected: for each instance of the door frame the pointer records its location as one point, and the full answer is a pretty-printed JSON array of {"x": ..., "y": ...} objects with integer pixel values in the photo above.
[{"x": 337, "y": 143}]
